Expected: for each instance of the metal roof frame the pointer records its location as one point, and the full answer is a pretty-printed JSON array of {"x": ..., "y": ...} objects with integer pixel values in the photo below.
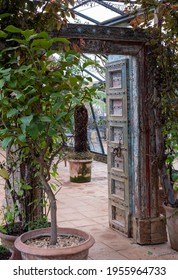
[{"x": 121, "y": 16}]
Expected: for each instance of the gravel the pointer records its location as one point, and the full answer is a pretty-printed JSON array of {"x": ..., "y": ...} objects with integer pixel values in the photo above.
[{"x": 62, "y": 241}]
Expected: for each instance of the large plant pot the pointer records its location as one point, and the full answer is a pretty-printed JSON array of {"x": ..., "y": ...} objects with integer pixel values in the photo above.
[
  {"x": 8, "y": 242},
  {"x": 172, "y": 225},
  {"x": 78, "y": 252},
  {"x": 80, "y": 170}
]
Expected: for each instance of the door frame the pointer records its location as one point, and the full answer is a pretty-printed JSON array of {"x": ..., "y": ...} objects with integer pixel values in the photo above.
[{"x": 93, "y": 39}]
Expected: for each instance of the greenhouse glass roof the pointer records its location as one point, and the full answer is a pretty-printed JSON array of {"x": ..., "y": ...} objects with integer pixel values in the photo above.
[{"x": 102, "y": 12}]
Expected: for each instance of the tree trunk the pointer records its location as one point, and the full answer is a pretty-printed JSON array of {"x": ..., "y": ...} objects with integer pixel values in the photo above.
[
  {"x": 23, "y": 173},
  {"x": 33, "y": 197},
  {"x": 53, "y": 209},
  {"x": 164, "y": 178},
  {"x": 81, "y": 122}
]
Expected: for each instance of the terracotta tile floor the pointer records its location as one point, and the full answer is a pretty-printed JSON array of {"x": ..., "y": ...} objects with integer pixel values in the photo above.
[{"x": 85, "y": 206}]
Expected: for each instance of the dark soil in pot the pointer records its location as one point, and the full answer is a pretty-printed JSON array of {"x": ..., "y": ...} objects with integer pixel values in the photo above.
[
  {"x": 8, "y": 238},
  {"x": 14, "y": 229},
  {"x": 5, "y": 254}
]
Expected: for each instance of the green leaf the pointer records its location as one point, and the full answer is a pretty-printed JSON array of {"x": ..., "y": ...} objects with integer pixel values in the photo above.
[
  {"x": 29, "y": 34},
  {"x": 26, "y": 187},
  {"x": 3, "y": 131},
  {"x": 61, "y": 40},
  {"x": 20, "y": 41},
  {"x": 26, "y": 120},
  {"x": 5, "y": 15},
  {"x": 56, "y": 107},
  {"x": 42, "y": 34},
  {"x": 7, "y": 141},
  {"x": 18, "y": 94},
  {"x": 88, "y": 63},
  {"x": 22, "y": 138},
  {"x": 8, "y": 77},
  {"x": 41, "y": 43},
  {"x": 53, "y": 187},
  {"x": 13, "y": 83},
  {"x": 9, "y": 216},
  {"x": 13, "y": 29},
  {"x": 3, "y": 34},
  {"x": 12, "y": 112},
  {"x": 4, "y": 174},
  {"x": 2, "y": 229},
  {"x": 10, "y": 49},
  {"x": 55, "y": 94},
  {"x": 52, "y": 132},
  {"x": 60, "y": 115},
  {"x": 23, "y": 68},
  {"x": 45, "y": 119},
  {"x": 2, "y": 82},
  {"x": 33, "y": 131},
  {"x": 73, "y": 81},
  {"x": 175, "y": 176},
  {"x": 23, "y": 128},
  {"x": 32, "y": 100},
  {"x": 5, "y": 70},
  {"x": 89, "y": 79}
]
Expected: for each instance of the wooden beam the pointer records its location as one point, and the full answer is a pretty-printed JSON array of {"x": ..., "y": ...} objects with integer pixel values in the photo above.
[{"x": 85, "y": 31}]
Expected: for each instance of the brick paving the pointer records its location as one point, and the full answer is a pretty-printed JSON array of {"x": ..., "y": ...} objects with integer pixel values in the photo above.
[{"x": 85, "y": 206}]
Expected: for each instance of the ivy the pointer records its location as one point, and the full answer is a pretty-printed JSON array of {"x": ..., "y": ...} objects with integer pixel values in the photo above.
[{"x": 160, "y": 20}]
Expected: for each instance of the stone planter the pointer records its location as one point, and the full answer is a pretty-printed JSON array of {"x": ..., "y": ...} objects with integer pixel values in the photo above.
[
  {"x": 80, "y": 170},
  {"x": 172, "y": 225},
  {"x": 8, "y": 242},
  {"x": 77, "y": 252}
]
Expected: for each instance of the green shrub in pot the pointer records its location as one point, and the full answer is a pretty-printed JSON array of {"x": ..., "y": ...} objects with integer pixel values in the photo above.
[{"x": 38, "y": 95}]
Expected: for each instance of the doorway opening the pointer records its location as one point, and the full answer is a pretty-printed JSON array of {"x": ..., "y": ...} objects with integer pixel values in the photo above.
[{"x": 132, "y": 176}]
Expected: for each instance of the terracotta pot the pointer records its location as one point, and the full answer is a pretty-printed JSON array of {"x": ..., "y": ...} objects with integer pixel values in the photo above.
[
  {"x": 172, "y": 225},
  {"x": 80, "y": 170},
  {"x": 78, "y": 252},
  {"x": 8, "y": 242}
]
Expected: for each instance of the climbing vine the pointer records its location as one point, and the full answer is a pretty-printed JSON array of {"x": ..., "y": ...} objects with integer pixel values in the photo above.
[{"x": 160, "y": 20}]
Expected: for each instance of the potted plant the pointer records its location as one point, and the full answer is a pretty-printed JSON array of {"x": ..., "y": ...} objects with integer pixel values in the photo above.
[
  {"x": 38, "y": 96},
  {"x": 10, "y": 229},
  {"x": 14, "y": 218},
  {"x": 170, "y": 203},
  {"x": 80, "y": 160},
  {"x": 5, "y": 254}
]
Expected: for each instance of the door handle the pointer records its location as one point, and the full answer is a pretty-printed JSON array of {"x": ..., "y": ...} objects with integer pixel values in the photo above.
[{"x": 117, "y": 151}]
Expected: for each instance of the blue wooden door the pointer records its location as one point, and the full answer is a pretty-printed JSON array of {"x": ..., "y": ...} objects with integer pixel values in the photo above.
[{"x": 117, "y": 90}]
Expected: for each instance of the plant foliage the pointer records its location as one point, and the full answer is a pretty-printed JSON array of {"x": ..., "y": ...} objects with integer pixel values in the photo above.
[
  {"x": 38, "y": 93},
  {"x": 160, "y": 20}
]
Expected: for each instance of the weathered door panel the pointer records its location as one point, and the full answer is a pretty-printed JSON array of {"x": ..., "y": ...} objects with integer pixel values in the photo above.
[{"x": 117, "y": 89}]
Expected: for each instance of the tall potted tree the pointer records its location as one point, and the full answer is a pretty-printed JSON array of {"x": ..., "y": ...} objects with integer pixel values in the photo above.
[
  {"x": 28, "y": 210},
  {"x": 80, "y": 159},
  {"x": 38, "y": 96}
]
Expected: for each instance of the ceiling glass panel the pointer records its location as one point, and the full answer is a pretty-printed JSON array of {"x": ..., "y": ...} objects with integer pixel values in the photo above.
[
  {"x": 97, "y": 12},
  {"x": 101, "y": 12}
]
